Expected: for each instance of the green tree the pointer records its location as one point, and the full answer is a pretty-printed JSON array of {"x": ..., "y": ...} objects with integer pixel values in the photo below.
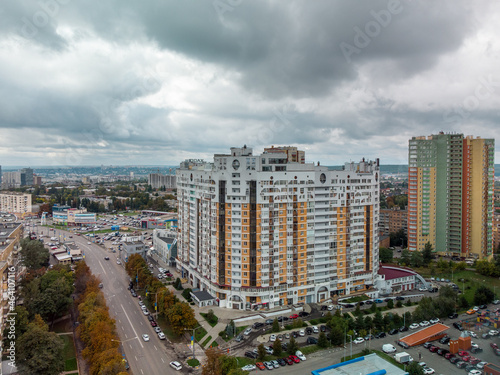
[
  {"x": 322, "y": 340},
  {"x": 368, "y": 323},
  {"x": 463, "y": 302},
  {"x": 292, "y": 346},
  {"x": 276, "y": 325},
  {"x": 417, "y": 260},
  {"x": 415, "y": 369},
  {"x": 33, "y": 254},
  {"x": 38, "y": 351},
  {"x": 336, "y": 336},
  {"x": 427, "y": 253},
  {"x": 390, "y": 304},
  {"x": 277, "y": 349},
  {"x": 378, "y": 321},
  {"x": 483, "y": 295},
  {"x": 261, "y": 352},
  {"x": 405, "y": 257},
  {"x": 385, "y": 255},
  {"x": 399, "y": 304},
  {"x": 227, "y": 363}
]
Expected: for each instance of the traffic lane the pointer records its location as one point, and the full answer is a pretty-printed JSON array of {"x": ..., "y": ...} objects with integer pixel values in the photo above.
[{"x": 144, "y": 357}]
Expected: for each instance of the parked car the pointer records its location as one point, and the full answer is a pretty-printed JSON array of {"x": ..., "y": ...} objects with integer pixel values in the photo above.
[
  {"x": 453, "y": 316},
  {"x": 249, "y": 367},
  {"x": 272, "y": 338},
  {"x": 425, "y": 323},
  {"x": 444, "y": 340},
  {"x": 403, "y": 344},
  {"x": 403, "y": 329},
  {"x": 458, "y": 326},
  {"x": 359, "y": 340},
  {"x": 247, "y": 331},
  {"x": 294, "y": 316},
  {"x": 414, "y": 326},
  {"x": 427, "y": 345},
  {"x": 176, "y": 365},
  {"x": 301, "y": 356},
  {"x": 269, "y": 322},
  {"x": 380, "y": 335},
  {"x": 434, "y": 321},
  {"x": 294, "y": 358},
  {"x": 393, "y": 331},
  {"x": 312, "y": 340}
]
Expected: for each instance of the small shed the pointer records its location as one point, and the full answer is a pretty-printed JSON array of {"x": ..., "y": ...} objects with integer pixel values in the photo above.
[{"x": 203, "y": 298}]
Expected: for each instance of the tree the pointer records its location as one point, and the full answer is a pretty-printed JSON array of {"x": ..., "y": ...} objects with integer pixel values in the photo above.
[
  {"x": 378, "y": 321},
  {"x": 212, "y": 364},
  {"x": 415, "y": 369},
  {"x": 483, "y": 295},
  {"x": 399, "y": 304},
  {"x": 385, "y": 255},
  {"x": 322, "y": 340},
  {"x": 417, "y": 259},
  {"x": 181, "y": 316},
  {"x": 33, "y": 254},
  {"x": 292, "y": 346},
  {"x": 38, "y": 351},
  {"x": 405, "y": 257},
  {"x": 427, "y": 253},
  {"x": 261, "y": 352},
  {"x": 390, "y": 304},
  {"x": 227, "y": 363},
  {"x": 463, "y": 302},
  {"x": 336, "y": 335},
  {"x": 277, "y": 349},
  {"x": 276, "y": 325}
]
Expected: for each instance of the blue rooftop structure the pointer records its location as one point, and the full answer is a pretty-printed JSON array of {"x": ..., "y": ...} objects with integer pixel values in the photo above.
[{"x": 368, "y": 365}]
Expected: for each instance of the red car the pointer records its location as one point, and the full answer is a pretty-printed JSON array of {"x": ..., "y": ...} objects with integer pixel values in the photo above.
[
  {"x": 462, "y": 353},
  {"x": 466, "y": 358},
  {"x": 474, "y": 361},
  {"x": 449, "y": 356},
  {"x": 288, "y": 361},
  {"x": 294, "y": 316},
  {"x": 153, "y": 324},
  {"x": 433, "y": 349},
  {"x": 494, "y": 346},
  {"x": 294, "y": 358},
  {"x": 260, "y": 366}
]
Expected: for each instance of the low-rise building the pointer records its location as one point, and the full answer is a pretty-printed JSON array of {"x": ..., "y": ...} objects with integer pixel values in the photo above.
[
  {"x": 203, "y": 298},
  {"x": 164, "y": 245},
  {"x": 73, "y": 250},
  {"x": 397, "y": 279},
  {"x": 132, "y": 247},
  {"x": 63, "y": 258},
  {"x": 65, "y": 215}
]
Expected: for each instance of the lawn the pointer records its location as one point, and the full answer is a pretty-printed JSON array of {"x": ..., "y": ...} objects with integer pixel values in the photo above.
[
  {"x": 205, "y": 343},
  {"x": 213, "y": 322},
  {"x": 240, "y": 329},
  {"x": 69, "y": 353},
  {"x": 193, "y": 362},
  {"x": 199, "y": 333}
]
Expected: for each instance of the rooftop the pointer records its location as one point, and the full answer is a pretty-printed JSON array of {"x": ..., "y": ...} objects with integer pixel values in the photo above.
[
  {"x": 391, "y": 273},
  {"x": 368, "y": 365},
  {"x": 425, "y": 334},
  {"x": 202, "y": 295}
]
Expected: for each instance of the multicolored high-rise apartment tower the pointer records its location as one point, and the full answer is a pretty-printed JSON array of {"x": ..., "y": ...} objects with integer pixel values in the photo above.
[
  {"x": 268, "y": 230},
  {"x": 450, "y": 194}
]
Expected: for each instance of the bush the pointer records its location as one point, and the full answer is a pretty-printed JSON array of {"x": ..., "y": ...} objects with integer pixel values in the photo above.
[{"x": 186, "y": 294}]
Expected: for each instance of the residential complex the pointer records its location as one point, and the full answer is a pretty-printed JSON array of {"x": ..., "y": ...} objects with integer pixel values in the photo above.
[
  {"x": 157, "y": 181},
  {"x": 392, "y": 220},
  {"x": 22, "y": 177},
  {"x": 165, "y": 245},
  {"x": 450, "y": 194},
  {"x": 65, "y": 215},
  {"x": 15, "y": 203},
  {"x": 266, "y": 230}
]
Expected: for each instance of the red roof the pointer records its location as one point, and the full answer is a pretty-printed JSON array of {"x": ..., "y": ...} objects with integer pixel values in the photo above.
[
  {"x": 394, "y": 272},
  {"x": 431, "y": 333}
]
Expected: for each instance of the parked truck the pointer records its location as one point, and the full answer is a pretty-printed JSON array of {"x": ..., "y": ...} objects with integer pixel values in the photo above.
[{"x": 402, "y": 357}]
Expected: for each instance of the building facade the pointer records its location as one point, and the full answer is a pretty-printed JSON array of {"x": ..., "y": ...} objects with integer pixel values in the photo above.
[
  {"x": 260, "y": 231},
  {"x": 450, "y": 194},
  {"x": 15, "y": 203},
  {"x": 65, "y": 215},
  {"x": 393, "y": 220},
  {"x": 165, "y": 244},
  {"x": 157, "y": 181}
]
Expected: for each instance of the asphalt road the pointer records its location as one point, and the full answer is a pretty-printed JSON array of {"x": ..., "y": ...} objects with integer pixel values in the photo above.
[{"x": 144, "y": 358}]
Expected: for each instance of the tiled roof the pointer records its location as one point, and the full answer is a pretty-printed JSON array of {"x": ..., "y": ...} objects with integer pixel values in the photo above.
[{"x": 394, "y": 272}]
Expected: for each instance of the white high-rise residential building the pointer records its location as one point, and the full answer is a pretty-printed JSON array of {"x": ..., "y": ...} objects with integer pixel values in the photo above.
[{"x": 270, "y": 229}]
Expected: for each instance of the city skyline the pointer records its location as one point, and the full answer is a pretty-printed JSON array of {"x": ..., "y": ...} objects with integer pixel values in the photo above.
[{"x": 126, "y": 84}]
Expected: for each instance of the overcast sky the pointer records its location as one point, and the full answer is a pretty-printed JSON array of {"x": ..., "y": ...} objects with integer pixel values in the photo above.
[{"x": 155, "y": 82}]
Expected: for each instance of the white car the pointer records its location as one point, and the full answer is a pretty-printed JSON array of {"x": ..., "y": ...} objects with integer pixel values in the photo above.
[
  {"x": 434, "y": 321},
  {"x": 176, "y": 365},
  {"x": 475, "y": 308},
  {"x": 496, "y": 302},
  {"x": 141, "y": 303},
  {"x": 161, "y": 335},
  {"x": 493, "y": 332},
  {"x": 423, "y": 289},
  {"x": 247, "y": 331},
  {"x": 472, "y": 334},
  {"x": 414, "y": 326},
  {"x": 315, "y": 329},
  {"x": 272, "y": 338},
  {"x": 428, "y": 370},
  {"x": 89, "y": 243},
  {"x": 330, "y": 308},
  {"x": 388, "y": 348},
  {"x": 145, "y": 312},
  {"x": 248, "y": 368},
  {"x": 118, "y": 261},
  {"x": 475, "y": 372},
  {"x": 425, "y": 323},
  {"x": 302, "y": 333},
  {"x": 301, "y": 356},
  {"x": 422, "y": 364},
  {"x": 157, "y": 329},
  {"x": 359, "y": 340},
  {"x": 145, "y": 337},
  {"x": 481, "y": 365}
]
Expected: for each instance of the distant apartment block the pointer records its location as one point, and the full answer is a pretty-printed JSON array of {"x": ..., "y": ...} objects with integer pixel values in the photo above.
[
  {"x": 22, "y": 177},
  {"x": 65, "y": 215},
  {"x": 450, "y": 194},
  {"x": 261, "y": 231},
  {"x": 496, "y": 231},
  {"x": 15, "y": 203},
  {"x": 158, "y": 181},
  {"x": 392, "y": 220}
]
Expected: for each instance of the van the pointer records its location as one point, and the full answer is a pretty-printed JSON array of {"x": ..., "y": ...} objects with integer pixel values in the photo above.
[{"x": 388, "y": 348}]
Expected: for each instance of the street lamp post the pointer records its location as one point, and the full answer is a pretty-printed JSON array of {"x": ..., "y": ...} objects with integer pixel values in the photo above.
[{"x": 193, "y": 340}]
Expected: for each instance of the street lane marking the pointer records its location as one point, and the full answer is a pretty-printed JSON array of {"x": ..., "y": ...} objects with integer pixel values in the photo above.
[
  {"x": 142, "y": 371},
  {"x": 133, "y": 329},
  {"x": 162, "y": 360},
  {"x": 155, "y": 347},
  {"x": 103, "y": 268}
]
